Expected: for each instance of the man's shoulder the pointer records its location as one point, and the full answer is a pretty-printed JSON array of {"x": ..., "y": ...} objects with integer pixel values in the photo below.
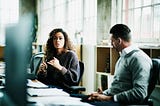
[
  {"x": 139, "y": 56},
  {"x": 133, "y": 52}
]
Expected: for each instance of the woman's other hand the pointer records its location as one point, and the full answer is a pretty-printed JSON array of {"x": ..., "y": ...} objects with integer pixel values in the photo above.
[
  {"x": 42, "y": 69},
  {"x": 55, "y": 63}
]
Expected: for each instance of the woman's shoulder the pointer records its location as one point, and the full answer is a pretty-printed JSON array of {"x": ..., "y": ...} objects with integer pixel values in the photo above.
[{"x": 71, "y": 52}]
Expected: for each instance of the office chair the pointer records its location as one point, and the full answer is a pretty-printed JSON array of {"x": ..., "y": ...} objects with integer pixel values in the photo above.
[
  {"x": 154, "y": 77},
  {"x": 36, "y": 61},
  {"x": 78, "y": 89}
]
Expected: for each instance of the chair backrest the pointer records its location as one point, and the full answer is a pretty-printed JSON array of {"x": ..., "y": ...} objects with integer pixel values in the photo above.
[
  {"x": 154, "y": 76},
  {"x": 36, "y": 61},
  {"x": 81, "y": 64}
]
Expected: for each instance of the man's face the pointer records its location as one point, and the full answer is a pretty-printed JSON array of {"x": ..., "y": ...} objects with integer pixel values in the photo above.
[{"x": 115, "y": 43}]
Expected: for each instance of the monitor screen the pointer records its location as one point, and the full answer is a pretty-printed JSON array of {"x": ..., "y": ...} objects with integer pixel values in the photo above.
[{"x": 17, "y": 56}]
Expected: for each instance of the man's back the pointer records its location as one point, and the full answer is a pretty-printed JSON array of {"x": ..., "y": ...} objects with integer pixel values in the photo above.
[{"x": 131, "y": 76}]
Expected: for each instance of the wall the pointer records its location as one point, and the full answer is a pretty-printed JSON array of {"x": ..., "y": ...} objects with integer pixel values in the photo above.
[
  {"x": 101, "y": 22},
  {"x": 103, "y": 19},
  {"x": 28, "y": 11},
  {"x": 27, "y": 7},
  {"x": 88, "y": 52}
]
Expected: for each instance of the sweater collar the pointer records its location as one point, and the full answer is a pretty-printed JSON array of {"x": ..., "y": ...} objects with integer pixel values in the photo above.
[{"x": 128, "y": 49}]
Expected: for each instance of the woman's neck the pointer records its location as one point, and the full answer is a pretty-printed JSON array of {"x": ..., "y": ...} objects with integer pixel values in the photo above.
[{"x": 60, "y": 51}]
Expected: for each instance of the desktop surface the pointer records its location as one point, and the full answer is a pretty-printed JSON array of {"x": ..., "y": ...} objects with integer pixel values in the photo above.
[
  {"x": 39, "y": 94},
  {"x": 45, "y": 96}
]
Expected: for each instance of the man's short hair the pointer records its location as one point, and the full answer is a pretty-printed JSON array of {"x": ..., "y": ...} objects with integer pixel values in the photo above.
[{"x": 122, "y": 31}]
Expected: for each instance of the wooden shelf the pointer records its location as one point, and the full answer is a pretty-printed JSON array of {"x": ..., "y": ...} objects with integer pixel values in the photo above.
[
  {"x": 102, "y": 73},
  {"x": 106, "y": 59},
  {"x": 1, "y": 53}
]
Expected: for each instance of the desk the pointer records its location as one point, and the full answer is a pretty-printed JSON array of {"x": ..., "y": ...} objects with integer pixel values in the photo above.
[{"x": 58, "y": 98}]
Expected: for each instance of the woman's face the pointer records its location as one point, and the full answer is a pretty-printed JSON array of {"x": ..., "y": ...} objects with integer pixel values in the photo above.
[{"x": 58, "y": 40}]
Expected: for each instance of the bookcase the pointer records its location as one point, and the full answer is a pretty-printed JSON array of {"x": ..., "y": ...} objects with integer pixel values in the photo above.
[{"x": 106, "y": 57}]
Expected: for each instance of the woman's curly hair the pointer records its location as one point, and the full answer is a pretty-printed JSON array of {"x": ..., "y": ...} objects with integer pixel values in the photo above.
[{"x": 50, "y": 50}]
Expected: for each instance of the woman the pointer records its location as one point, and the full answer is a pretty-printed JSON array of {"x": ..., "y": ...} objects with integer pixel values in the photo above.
[{"x": 60, "y": 67}]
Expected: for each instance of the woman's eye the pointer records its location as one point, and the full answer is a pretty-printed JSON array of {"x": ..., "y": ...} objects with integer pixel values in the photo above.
[
  {"x": 54, "y": 38},
  {"x": 57, "y": 38}
]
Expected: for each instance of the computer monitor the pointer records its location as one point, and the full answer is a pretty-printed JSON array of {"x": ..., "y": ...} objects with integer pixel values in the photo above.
[{"x": 17, "y": 56}]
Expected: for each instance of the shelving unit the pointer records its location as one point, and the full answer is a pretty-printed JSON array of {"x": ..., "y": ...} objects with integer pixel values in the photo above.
[
  {"x": 37, "y": 48},
  {"x": 153, "y": 52},
  {"x": 106, "y": 59},
  {"x": 1, "y": 53},
  {"x": 105, "y": 69}
]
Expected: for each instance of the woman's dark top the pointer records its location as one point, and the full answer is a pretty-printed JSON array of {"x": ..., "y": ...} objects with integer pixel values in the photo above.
[{"x": 69, "y": 74}]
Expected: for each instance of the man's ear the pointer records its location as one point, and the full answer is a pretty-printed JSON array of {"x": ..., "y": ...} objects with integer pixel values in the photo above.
[{"x": 119, "y": 40}]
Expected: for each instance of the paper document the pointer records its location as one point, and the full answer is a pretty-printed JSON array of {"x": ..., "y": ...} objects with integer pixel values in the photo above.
[
  {"x": 46, "y": 92},
  {"x": 36, "y": 84}
]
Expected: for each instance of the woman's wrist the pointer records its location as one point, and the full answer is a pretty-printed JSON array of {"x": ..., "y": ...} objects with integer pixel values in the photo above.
[{"x": 60, "y": 67}]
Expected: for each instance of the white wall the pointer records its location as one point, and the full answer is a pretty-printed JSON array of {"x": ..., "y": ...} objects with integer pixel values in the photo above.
[{"x": 89, "y": 72}]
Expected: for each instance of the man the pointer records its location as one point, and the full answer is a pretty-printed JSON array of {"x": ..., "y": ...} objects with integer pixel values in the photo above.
[{"x": 132, "y": 70}]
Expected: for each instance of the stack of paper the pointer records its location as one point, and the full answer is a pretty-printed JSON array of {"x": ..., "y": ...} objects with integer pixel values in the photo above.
[
  {"x": 37, "y": 88},
  {"x": 46, "y": 92},
  {"x": 36, "y": 84}
]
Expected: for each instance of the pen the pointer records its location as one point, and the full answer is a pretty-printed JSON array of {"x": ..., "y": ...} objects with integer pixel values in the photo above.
[{"x": 99, "y": 90}]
